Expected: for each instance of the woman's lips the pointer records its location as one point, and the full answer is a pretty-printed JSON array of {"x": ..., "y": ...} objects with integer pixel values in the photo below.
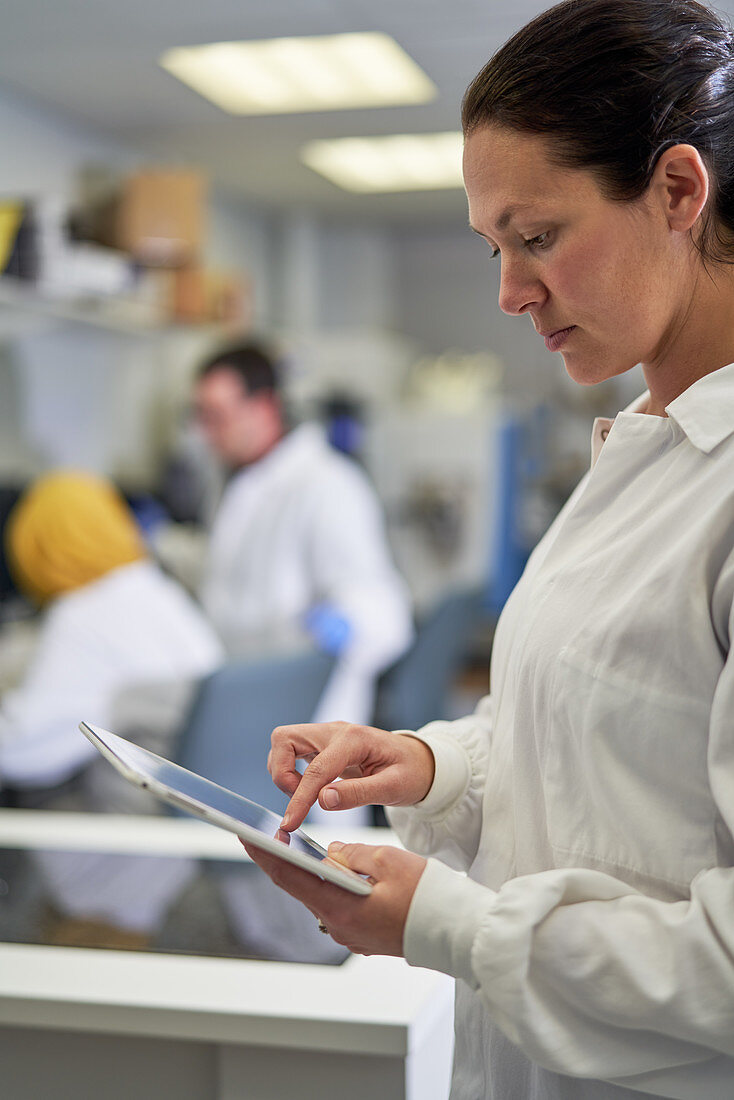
[{"x": 554, "y": 341}]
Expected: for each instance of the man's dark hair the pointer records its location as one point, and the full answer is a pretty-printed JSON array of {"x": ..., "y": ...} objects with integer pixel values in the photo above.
[{"x": 252, "y": 362}]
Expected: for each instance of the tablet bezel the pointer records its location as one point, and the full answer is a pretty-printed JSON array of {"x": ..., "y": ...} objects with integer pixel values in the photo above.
[{"x": 325, "y": 869}]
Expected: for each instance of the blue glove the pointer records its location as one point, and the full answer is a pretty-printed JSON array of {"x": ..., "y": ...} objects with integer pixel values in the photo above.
[{"x": 328, "y": 628}]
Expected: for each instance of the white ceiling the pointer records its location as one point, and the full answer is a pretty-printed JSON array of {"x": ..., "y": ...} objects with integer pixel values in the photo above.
[{"x": 96, "y": 61}]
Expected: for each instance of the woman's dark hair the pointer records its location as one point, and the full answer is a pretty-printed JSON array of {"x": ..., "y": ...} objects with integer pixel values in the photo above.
[
  {"x": 252, "y": 362},
  {"x": 613, "y": 84}
]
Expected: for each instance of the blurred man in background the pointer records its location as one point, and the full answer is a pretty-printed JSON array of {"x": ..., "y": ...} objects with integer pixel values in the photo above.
[{"x": 298, "y": 546}]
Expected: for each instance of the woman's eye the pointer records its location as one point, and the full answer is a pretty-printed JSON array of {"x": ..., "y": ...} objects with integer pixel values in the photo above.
[{"x": 541, "y": 241}]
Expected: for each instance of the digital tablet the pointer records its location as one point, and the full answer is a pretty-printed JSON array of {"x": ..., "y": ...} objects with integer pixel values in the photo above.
[{"x": 199, "y": 796}]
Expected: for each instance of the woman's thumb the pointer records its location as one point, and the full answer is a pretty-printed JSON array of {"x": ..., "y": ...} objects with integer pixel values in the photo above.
[{"x": 348, "y": 793}]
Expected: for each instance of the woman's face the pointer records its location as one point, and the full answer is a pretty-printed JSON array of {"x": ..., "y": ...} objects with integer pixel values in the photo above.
[{"x": 606, "y": 283}]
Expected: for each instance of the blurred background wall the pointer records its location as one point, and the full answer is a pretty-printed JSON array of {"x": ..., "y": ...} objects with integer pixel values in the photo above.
[{"x": 385, "y": 301}]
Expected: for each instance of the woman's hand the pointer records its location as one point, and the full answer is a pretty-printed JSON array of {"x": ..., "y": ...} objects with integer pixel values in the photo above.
[
  {"x": 367, "y": 925},
  {"x": 388, "y": 769}
]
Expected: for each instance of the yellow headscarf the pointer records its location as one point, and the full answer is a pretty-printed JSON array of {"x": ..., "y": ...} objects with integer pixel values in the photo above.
[{"x": 69, "y": 529}]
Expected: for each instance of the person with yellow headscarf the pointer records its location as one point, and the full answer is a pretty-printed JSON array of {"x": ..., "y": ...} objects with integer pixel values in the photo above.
[
  {"x": 116, "y": 634},
  {"x": 68, "y": 530},
  {"x": 113, "y": 621}
]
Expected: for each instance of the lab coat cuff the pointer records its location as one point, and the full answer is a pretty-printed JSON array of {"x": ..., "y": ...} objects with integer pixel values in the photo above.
[
  {"x": 451, "y": 778},
  {"x": 445, "y": 914}
]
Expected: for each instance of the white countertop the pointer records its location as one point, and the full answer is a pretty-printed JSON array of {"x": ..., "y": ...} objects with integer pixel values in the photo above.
[
  {"x": 369, "y": 1005},
  {"x": 148, "y": 835}
]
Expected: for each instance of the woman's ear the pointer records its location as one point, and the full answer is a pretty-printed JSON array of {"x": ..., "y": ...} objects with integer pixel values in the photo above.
[{"x": 680, "y": 182}]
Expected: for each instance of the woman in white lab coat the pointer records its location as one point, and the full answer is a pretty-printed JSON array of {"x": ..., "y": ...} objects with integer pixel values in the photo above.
[
  {"x": 116, "y": 633},
  {"x": 579, "y": 827}
]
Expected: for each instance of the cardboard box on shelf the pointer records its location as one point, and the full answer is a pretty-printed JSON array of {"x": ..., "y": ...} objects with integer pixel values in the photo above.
[
  {"x": 160, "y": 216},
  {"x": 200, "y": 295},
  {"x": 156, "y": 215}
]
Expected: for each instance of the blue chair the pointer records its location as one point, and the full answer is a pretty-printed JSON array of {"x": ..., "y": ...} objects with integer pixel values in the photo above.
[
  {"x": 226, "y": 736},
  {"x": 416, "y": 689}
]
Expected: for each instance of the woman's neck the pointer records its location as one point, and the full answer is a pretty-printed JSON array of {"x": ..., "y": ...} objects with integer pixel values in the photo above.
[{"x": 700, "y": 342}]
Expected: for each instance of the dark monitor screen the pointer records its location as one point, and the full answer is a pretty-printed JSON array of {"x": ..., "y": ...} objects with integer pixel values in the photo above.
[{"x": 9, "y": 494}]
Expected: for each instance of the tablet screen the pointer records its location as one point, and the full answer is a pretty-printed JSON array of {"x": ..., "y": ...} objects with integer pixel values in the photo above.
[{"x": 188, "y": 785}]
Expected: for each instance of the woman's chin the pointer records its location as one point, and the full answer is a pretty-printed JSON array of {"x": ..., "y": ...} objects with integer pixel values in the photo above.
[{"x": 588, "y": 371}]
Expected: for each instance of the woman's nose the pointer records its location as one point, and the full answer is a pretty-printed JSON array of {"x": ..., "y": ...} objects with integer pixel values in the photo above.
[{"x": 519, "y": 289}]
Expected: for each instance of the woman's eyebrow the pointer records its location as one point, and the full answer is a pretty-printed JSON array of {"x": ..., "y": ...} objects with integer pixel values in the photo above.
[{"x": 505, "y": 217}]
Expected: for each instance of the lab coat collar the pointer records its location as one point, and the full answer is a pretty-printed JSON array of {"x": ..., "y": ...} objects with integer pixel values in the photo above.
[
  {"x": 302, "y": 441},
  {"x": 705, "y": 411},
  {"x": 295, "y": 448}
]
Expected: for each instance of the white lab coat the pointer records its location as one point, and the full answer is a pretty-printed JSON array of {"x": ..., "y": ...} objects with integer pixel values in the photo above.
[
  {"x": 302, "y": 527},
  {"x": 591, "y": 798},
  {"x": 133, "y": 627}
]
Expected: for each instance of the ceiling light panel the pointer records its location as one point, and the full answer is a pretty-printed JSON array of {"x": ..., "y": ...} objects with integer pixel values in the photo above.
[
  {"x": 287, "y": 75},
  {"x": 400, "y": 162}
]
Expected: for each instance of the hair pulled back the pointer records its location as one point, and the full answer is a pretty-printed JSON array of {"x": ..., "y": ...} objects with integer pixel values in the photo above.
[{"x": 613, "y": 84}]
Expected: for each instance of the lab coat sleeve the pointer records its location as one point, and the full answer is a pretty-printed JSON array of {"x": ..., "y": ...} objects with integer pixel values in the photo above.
[
  {"x": 447, "y": 823},
  {"x": 354, "y": 572},
  {"x": 40, "y": 742},
  {"x": 592, "y": 978}
]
